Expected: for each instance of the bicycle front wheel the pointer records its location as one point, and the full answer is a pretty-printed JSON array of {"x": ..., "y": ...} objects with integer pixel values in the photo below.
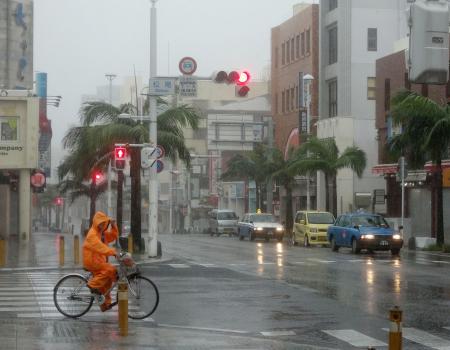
[
  {"x": 72, "y": 296},
  {"x": 143, "y": 297}
]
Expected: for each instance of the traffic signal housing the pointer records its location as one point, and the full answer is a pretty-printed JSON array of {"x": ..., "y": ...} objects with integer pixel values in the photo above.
[
  {"x": 239, "y": 79},
  {"x": 120, "y": 156}
]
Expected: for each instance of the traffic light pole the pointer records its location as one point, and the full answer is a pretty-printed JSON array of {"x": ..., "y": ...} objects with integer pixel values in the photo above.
[{"x": 153, "y": 183}]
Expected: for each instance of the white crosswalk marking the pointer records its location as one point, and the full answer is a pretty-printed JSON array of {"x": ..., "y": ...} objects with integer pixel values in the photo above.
[
  {"x": 424, "y": 338},
  {"x": 277, "y": 333},
  {"x": 179, "y": 266},
  {"x": 354, "y": 338}
]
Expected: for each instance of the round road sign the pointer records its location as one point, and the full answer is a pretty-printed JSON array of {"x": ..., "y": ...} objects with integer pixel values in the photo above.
[
  {"x": 188, "y": 66},
  {"x": 160, "y": 152},
  {"x": 38, "y": 179}
]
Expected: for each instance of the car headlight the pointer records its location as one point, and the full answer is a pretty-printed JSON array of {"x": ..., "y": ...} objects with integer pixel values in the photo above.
[
  {"x": 279, "y": 229},
  {"x": 314, "y": 230},
  {"x": 367, "y": 237},
  {"x": 397, "y": 236},
  {"x": 259, "y": 229}
]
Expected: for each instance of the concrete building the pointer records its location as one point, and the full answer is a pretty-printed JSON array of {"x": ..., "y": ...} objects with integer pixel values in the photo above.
[
  {"x": 353, "y": 35},
  {"x": 420, "y": 201},
  {"x": 295, "y": 50},
  {"x": 234, "y": 128},
  {"x": 16, "y": 44}
]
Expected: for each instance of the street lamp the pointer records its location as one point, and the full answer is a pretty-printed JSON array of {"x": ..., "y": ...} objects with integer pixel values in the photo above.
[{"x": 308, "y": 79}]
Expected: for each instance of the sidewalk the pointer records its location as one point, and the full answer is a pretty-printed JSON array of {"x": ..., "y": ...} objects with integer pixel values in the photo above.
[{"x": 42, "y": 252}]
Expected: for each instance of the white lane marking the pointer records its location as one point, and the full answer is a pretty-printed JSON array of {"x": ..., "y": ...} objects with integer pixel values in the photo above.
[
  {"x": 354, "y": 338},
  {"x": 424, "y": 338},
  {"x": 300, "y": 262},
  {"x": 179, "y": 266},
  {"x": 277, "y": 333},
  {"x": 321, "y": 261},
  {"x": 441, "y": 262},
  {"x": 356, "y": 260},
  {"x": 208, "y": 265},
  {"x": 266, "y": 263},
  {"x": 203, "y": 328}
]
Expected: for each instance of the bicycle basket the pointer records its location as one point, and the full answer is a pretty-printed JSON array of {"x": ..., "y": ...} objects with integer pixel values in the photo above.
[{"x": 128, "y": 261}]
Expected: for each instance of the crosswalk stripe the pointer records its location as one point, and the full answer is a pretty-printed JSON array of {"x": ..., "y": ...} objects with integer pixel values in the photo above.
[
  {"x": 424, "y": 338},
  {"x": 354, "y": 338},
  {"x": 179, "y": 266},
  {"x": 208, "y": 265},
  {"x": 59, "y": 315},
  {"x": 14, "y": 289},
  {"x": 277, "y": 333},
  {"x": 15, "y": 302},
  {"x": 321, "y": 261},
  {"x": 25, "y": 298}
]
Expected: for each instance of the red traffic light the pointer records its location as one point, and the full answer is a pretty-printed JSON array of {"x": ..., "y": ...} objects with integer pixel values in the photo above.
[
  {"x": 58, "y": 201},
  {"x": 233, "y": 77},
  {"x": 244, "y": 78},
  {"x": 97, "y": 177},
  {"x": 120, "y": 153}
]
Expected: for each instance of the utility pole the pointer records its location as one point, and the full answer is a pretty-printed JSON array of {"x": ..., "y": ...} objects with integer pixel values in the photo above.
[
  {"x": 152, "y": 243},
  {"x": 110, "y": 77}
]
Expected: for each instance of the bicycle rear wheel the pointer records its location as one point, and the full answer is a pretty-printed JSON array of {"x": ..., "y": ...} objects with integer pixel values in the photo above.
[
  {"x": 143, "y": 297},
  {"x": 72, "y": 296}
]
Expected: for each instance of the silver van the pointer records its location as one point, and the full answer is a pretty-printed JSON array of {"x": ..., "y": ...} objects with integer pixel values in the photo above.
[{"x": 223, "y": 221}]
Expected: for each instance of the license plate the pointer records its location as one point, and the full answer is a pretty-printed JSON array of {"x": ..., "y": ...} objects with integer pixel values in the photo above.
[{"x": 384, "y": 243}]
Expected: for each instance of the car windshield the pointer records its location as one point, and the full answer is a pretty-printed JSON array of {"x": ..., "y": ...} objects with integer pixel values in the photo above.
[
  {"x": 262, "y": 218},
  {"x": 369, "y": 220},
  {"x": 320, "y": 218},
  {"x": 226, "y": 216}
]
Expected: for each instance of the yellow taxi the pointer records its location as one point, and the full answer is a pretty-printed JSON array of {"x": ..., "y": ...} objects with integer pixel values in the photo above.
[{"x": 310, "y": 227}]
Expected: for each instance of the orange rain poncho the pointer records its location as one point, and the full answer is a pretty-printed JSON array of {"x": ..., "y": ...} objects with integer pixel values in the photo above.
[{"x": 95, "y": 253}]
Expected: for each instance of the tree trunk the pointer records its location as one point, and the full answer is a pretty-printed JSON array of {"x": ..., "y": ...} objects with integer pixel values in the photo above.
[
  {"x": 135, "y": 173},
  {"x": 327, "y": 192},
  {"x": 334, "y": 195},
  {"x": 119, "y": 200},
  {"x": 289, "y": 216},
  {"x": 440, "y": 207}
]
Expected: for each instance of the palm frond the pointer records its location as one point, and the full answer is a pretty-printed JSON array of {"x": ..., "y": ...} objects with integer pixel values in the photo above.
[{"x": 353, "y": 158}]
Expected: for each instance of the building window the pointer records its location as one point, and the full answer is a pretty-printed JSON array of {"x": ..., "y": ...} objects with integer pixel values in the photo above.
[
  {"x": 288, "y": 95},
  {"x": 303, "y": 44},
  {"x": 387, "y": 94},
  {"x": 292, "y": 99},
  {"x": 332, "y": 98},
  {"x": 372, "y": 39},
  {"x": 276, "y": 53},
  {"x": 308, "y": 41},
  {"x": 283, "y": 102},
  {"x": 288, "y": 51},
  {"x": 332, "y": 4},
  {"x": 371, "y": 88},
  {"x": 276, "y": 104},
  {"x": 297, "y": 46},
  {"x": 283, "y": 56},
  {"x": 292, "y": 50},
  {"x": 332, "y": 45},
  {"x": 8, "y": 128}
]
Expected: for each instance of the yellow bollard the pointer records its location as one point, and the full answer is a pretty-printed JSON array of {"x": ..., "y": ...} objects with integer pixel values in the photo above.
[
  {"x": 122, "y": 297},
  {"x": 61, "y": 250},
  {"x": 2, "y": 252},
  {"x": 130, "y": 244},
  {"x": 76, "y": 250},
  {"x": 395, "y": 331}
]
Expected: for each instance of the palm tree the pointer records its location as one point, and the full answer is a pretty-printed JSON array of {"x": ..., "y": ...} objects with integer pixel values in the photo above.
[
  {"x": 425, "y": 136},
  {"x": 252, "y": 165},
  {"x": 323, "y": 155},
  {"x": 281, "y": 171},
  {"x": 102, "y": 128}
]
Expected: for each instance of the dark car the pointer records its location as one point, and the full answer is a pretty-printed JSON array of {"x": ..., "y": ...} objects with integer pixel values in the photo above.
[{"x": 364, "y": 231}]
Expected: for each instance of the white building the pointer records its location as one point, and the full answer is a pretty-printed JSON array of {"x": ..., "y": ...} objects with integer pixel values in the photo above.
[{"x": 353, "y": 35}]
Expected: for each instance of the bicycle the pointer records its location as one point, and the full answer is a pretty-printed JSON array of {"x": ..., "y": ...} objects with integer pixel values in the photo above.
[{"x": 73, "y": 298}]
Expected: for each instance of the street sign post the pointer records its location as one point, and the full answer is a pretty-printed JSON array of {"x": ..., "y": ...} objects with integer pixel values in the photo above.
[
  {"x": 187, "y": 66},
  {"x": 161, "y": 86},
  {"x": 188, "y": 86}
]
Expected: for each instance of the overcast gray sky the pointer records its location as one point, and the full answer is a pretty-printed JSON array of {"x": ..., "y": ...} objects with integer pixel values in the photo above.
[{"x": 77, "y": 41}]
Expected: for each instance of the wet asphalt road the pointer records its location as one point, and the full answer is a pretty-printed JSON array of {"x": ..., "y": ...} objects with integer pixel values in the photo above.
[
  {"x": 308, "y": 292},
  {"x": 253, "y": 295}
]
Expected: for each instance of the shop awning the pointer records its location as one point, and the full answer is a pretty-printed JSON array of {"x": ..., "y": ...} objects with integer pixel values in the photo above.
[{"x": 382, "y": 169}]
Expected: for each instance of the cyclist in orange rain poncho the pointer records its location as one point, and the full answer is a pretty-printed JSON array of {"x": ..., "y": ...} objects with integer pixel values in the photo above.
[{"x": 95, "y": 256}]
